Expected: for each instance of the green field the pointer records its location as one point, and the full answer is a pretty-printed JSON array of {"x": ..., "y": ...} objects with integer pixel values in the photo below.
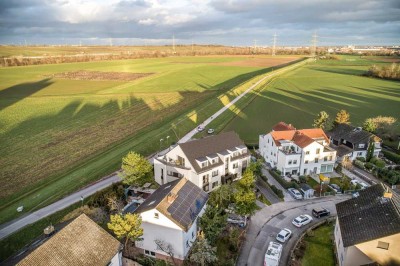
[
  {"x": 59, "y": 134},
  {"x": 319, "y": 249},
  {"x": 330, "y": 85}
]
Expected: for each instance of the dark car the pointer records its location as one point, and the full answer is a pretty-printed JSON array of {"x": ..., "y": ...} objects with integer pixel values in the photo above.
[{"x": 320, "y": 212}]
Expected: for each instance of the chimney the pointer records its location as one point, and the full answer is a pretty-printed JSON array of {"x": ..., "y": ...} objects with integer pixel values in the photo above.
[{"x": 171, "y": 197}]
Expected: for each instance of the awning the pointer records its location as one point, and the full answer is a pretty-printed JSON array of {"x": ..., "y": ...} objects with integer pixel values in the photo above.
[{"x": 323, "y": 178}]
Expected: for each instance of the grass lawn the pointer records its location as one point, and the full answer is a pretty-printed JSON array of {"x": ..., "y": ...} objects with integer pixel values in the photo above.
[
  {"x": 319, "y": 251},
  {"x": 62, "y": 134},
  {"x": 330, "y": 85}
]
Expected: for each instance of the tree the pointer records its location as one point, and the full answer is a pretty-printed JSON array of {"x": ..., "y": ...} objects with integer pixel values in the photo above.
[
  {"x": 221, "y": 197},
  {"x": 202, "y": 252},
  {"x": 369, "y": 125},
  {"x": 342, "y": 117},
  {"x": 114, "y": 204},
  {"x": 166, "y": 247},
  {"x": 370, "y": 151},
  {"x": 244, "y": 196},
  {"x": 135, "y": 167},
  {"x": 321, "y": 120},
  {"x": 126, "y": 226},
  {"x": 213, "y": 222}
]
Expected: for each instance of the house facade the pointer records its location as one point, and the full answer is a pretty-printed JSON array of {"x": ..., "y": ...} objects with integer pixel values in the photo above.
[
  {"x": 297, "y": 152},
  {"x": 352, "y": 142},
  {"x": 367, "y": 230},
  {"x": 207, "y": 162},
  {"x": 169, "y": 218}
]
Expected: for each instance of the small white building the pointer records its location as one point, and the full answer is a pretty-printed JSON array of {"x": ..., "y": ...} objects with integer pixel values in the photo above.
[
  {"x": 169, "y": 216},
  {"x": 82, "y": 242},
  {"x": 297, "y": 152},
  {"x": 307, "y": 191},
  {"x": 207, "y": 162}
]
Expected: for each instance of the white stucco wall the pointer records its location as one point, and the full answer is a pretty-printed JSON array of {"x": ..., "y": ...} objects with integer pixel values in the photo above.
[{"x": 116, "y": 260}]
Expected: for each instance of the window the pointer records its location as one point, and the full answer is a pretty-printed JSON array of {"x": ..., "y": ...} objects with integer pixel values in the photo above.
[
  {"x": 206, "y": 188},
  {"x": 361, "y": 145},
  {"x": 294, "y": 161},
  {"x": 214, "y": 184},
  {"x": 318, "y": 150},
  {"x": 316, "y": 160},
  {"x": 235, "y": 165},
  {"x": 205, "y": 179},
  {"x": 307, "y": 152},
  {"x": 235, "y": 154},
  {"x": 330, "y": 158},
  {"x": 306, "y": 161},
  {"x": 271, "y": 152},
  {"x": 187, "y": 243},
  {"x": 383, "y": 245},
  {"x": 325, "y": 158},
  {"x": 192, "y": 234},
  {"x": 215, "y": 173},
  {"x": 156, "y": 215},
  {"x": 149, "y": 253},
  {"x": 305, "y": 171},
  {"x": 359, "y": 153},
  {"x": 204, "y": 164},
  {"x": 290, "y": 162},
  {"x": 268, "y": 141}
]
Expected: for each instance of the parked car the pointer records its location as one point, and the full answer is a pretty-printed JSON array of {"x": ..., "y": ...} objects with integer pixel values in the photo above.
[
  {"x": 363, "y": 185},
  {"x": 335, "y": 187},
  {"x": 200, "y": 128},
  {"x": 302, "y": 220},
  {"x": 295, "y": 193},
  {"x": 273, "y": 254},
  {"x": 283, "y": 235},
  {"x": 354, "y": 182},
  {"x": 210, "y": 131},
  {"x": 320, "y": 212}
]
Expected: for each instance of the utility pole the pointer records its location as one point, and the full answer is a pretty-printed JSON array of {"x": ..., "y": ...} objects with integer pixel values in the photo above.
[
  {"x": 111, "y": 44},
  {"x": 255, "y": 46},
  {"x": 173, "y": 43},
  {"x": 274, "y": 45},
  {"x": 313, "y": 47}
]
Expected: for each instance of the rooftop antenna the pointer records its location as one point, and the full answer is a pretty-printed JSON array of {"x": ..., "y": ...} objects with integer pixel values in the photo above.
[
  {"x": 313, "y": 44},
  {"x": 274, "y": 45}
]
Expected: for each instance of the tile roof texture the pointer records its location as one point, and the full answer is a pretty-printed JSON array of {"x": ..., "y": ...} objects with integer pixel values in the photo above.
[
  {"x": 282, "y": 126},
  {"x": 82, "y": 242},
  {"x": 210, "y": 145},
  {"x": 188, "y": 201},
  {"x": 369, "y": 216},
  {"x": 302, "y": 137},
  {"x": 350, "y": 133}
]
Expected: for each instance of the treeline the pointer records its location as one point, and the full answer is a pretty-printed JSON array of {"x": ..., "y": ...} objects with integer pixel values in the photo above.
[
  {"x": 385, "y": 72},
  {"x": 158, "y": 52}
]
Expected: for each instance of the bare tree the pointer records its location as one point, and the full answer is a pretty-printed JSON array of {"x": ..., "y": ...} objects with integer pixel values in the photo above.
[{"x": 166, "y": 247}]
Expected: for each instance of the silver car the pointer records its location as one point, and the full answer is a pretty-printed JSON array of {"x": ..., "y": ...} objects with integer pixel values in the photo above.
[
  {"x": 295, "y": 193},
  {"x": 284, "y": 235}
]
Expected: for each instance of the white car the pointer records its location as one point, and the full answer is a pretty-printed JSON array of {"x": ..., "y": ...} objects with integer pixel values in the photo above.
[
  {"x": 295, "y": 193},
  {"x": 273, "y": 254},
  {"x": 200, "y": 128},
  {"x": 284, "y": 235},
  {"x": 302, "y": 220},
  {"x": 354, "y": 182},
  {"x": 210, "y": 131}
]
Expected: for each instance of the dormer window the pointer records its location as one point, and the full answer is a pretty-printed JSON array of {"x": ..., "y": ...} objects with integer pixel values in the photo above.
[
  {"x": 361, "y": 145},
  {"x": 156, "y": 215},
  {"x": 204, "y": 164},
  {"x": 235, "y": 154}
]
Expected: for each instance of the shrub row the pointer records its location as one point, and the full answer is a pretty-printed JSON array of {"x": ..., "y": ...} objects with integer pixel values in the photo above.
[
  {"x": 392, "y": 156},
  {"x": 277, "y": 191},
  {"x": 283, "y": 182}
]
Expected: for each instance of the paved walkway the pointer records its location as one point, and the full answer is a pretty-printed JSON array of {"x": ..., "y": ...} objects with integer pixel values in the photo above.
[
  {"x": 21, "y": 222},
  {"x": 272, "y": 181},
  {"x": 267, "y": 192},
  {"x": 267, "y": 222}
]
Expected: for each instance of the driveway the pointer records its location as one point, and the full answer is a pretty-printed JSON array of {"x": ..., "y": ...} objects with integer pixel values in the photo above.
[
  {"x": 267, "y": 192},
  {"x": 272, "y": 181},
  {"x": 266, "y": 223}
]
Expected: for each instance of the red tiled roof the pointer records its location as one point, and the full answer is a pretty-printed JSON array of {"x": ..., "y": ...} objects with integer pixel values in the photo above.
[
  {"x": 314, "y": 133},
  {"x": 302, "y": 138},
  {"x": 282, "y": 126}
]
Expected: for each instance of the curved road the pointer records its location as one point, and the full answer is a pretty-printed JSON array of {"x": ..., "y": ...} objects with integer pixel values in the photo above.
[
  {"x": 267, "y": 223},
  {"x": 17, "y": 224}
]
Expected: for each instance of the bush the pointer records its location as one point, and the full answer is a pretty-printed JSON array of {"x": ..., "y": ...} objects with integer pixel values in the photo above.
[
  {"x": 339, "y": 168},
  {"x": 392, "y": 156},
  {"x": 280, "y": 180},
  {"x": 359, "y": 164},
  {"x": 362, "y": 159},
  {"x": 277, "y": 191},
  {"x": 303, "y": 179},
  {"x": 379, "y": 163},
  {"x": 369, "y": 166}
]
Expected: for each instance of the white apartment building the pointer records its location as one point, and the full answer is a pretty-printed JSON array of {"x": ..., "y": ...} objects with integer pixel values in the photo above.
[
  {"x": 297, "y": 152},
  {"x": 207, "y": 162},
  {"x": 169, "y": 216}
]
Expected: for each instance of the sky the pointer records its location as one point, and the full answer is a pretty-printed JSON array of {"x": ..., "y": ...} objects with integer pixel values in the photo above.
[{"x": 231, "y": 22}]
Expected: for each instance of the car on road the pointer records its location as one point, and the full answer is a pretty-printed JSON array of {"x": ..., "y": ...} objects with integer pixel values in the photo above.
[
  {"x": 295, "y": 193},
  {"x": 363, "y": 185},
  {"x": 283, "y": 235},
  {"x": 210, "y": 131},
  {"x": 354, "y": 182},
  {"x": 200, "y": 128},
  {"x": 273, "y": 254},
  {"x": 320, "y": 212},
  {"x": 302, "y": 220},
  {"x": 335, "y": 187}
]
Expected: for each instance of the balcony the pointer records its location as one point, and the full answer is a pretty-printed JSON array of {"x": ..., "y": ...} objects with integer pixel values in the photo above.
[
  {"x": 289, "y": 152},
  {"x": 173, "y": 163}
]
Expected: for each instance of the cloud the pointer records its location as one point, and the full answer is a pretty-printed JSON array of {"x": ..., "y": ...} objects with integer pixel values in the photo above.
[{"x": 230, "y": 22}]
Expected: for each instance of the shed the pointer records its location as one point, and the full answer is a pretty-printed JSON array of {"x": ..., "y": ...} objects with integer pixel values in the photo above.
[{"x": 307, "y": 191}]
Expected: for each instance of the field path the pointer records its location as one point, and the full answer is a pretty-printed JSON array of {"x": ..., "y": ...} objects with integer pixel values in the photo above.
[{"x": 19, "y": 223}]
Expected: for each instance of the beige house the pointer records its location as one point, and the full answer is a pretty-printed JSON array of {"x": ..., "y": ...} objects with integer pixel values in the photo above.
[
  {"x": 82, "y": 242},
  {"x": 367, "y": 228}
]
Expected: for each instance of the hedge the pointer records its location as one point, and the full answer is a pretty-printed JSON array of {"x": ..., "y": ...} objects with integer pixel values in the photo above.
[
  {"x": 282, "y": 181},
  {"x": 277, "y": 191},
  {"x": 392, "y": 156}
]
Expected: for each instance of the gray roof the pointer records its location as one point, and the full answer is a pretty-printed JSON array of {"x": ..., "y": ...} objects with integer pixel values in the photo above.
[
  {"x": 184, "y": 209},
  {"x": 351, "y": 134},
  {"x": 369, "y": 216},
  {"x": 341, "y": 150},
  {"x": 305, "y": 187},
  {"x": 199, "y": 148}
]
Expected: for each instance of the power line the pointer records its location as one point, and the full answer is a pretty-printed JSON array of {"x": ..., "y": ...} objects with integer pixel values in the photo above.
[
  {"x": 313, "y": 44},
  {"x": 173, "y": 43},
  {"x": 274, "y": 45}
]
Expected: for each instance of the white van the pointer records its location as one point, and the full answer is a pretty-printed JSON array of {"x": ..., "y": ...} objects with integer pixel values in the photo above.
[{"x": 273, "y": 254}]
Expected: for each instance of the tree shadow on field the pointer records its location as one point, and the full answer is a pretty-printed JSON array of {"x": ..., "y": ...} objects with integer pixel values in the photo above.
[
  {"x": 16, "y": 93},
  {"x": 343, "y": 71}
]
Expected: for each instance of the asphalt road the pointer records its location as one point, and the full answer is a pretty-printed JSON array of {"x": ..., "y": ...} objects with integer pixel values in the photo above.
[
  {"x": 267, "y": 223},
  {"x": 267, "y": 192}
]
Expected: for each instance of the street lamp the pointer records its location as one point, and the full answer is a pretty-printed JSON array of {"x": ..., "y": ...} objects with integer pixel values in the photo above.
[
  {"x": 168, "y": 142},
  {"x": 320, "y": 188},
  {"x": 161, "y": 140}
]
